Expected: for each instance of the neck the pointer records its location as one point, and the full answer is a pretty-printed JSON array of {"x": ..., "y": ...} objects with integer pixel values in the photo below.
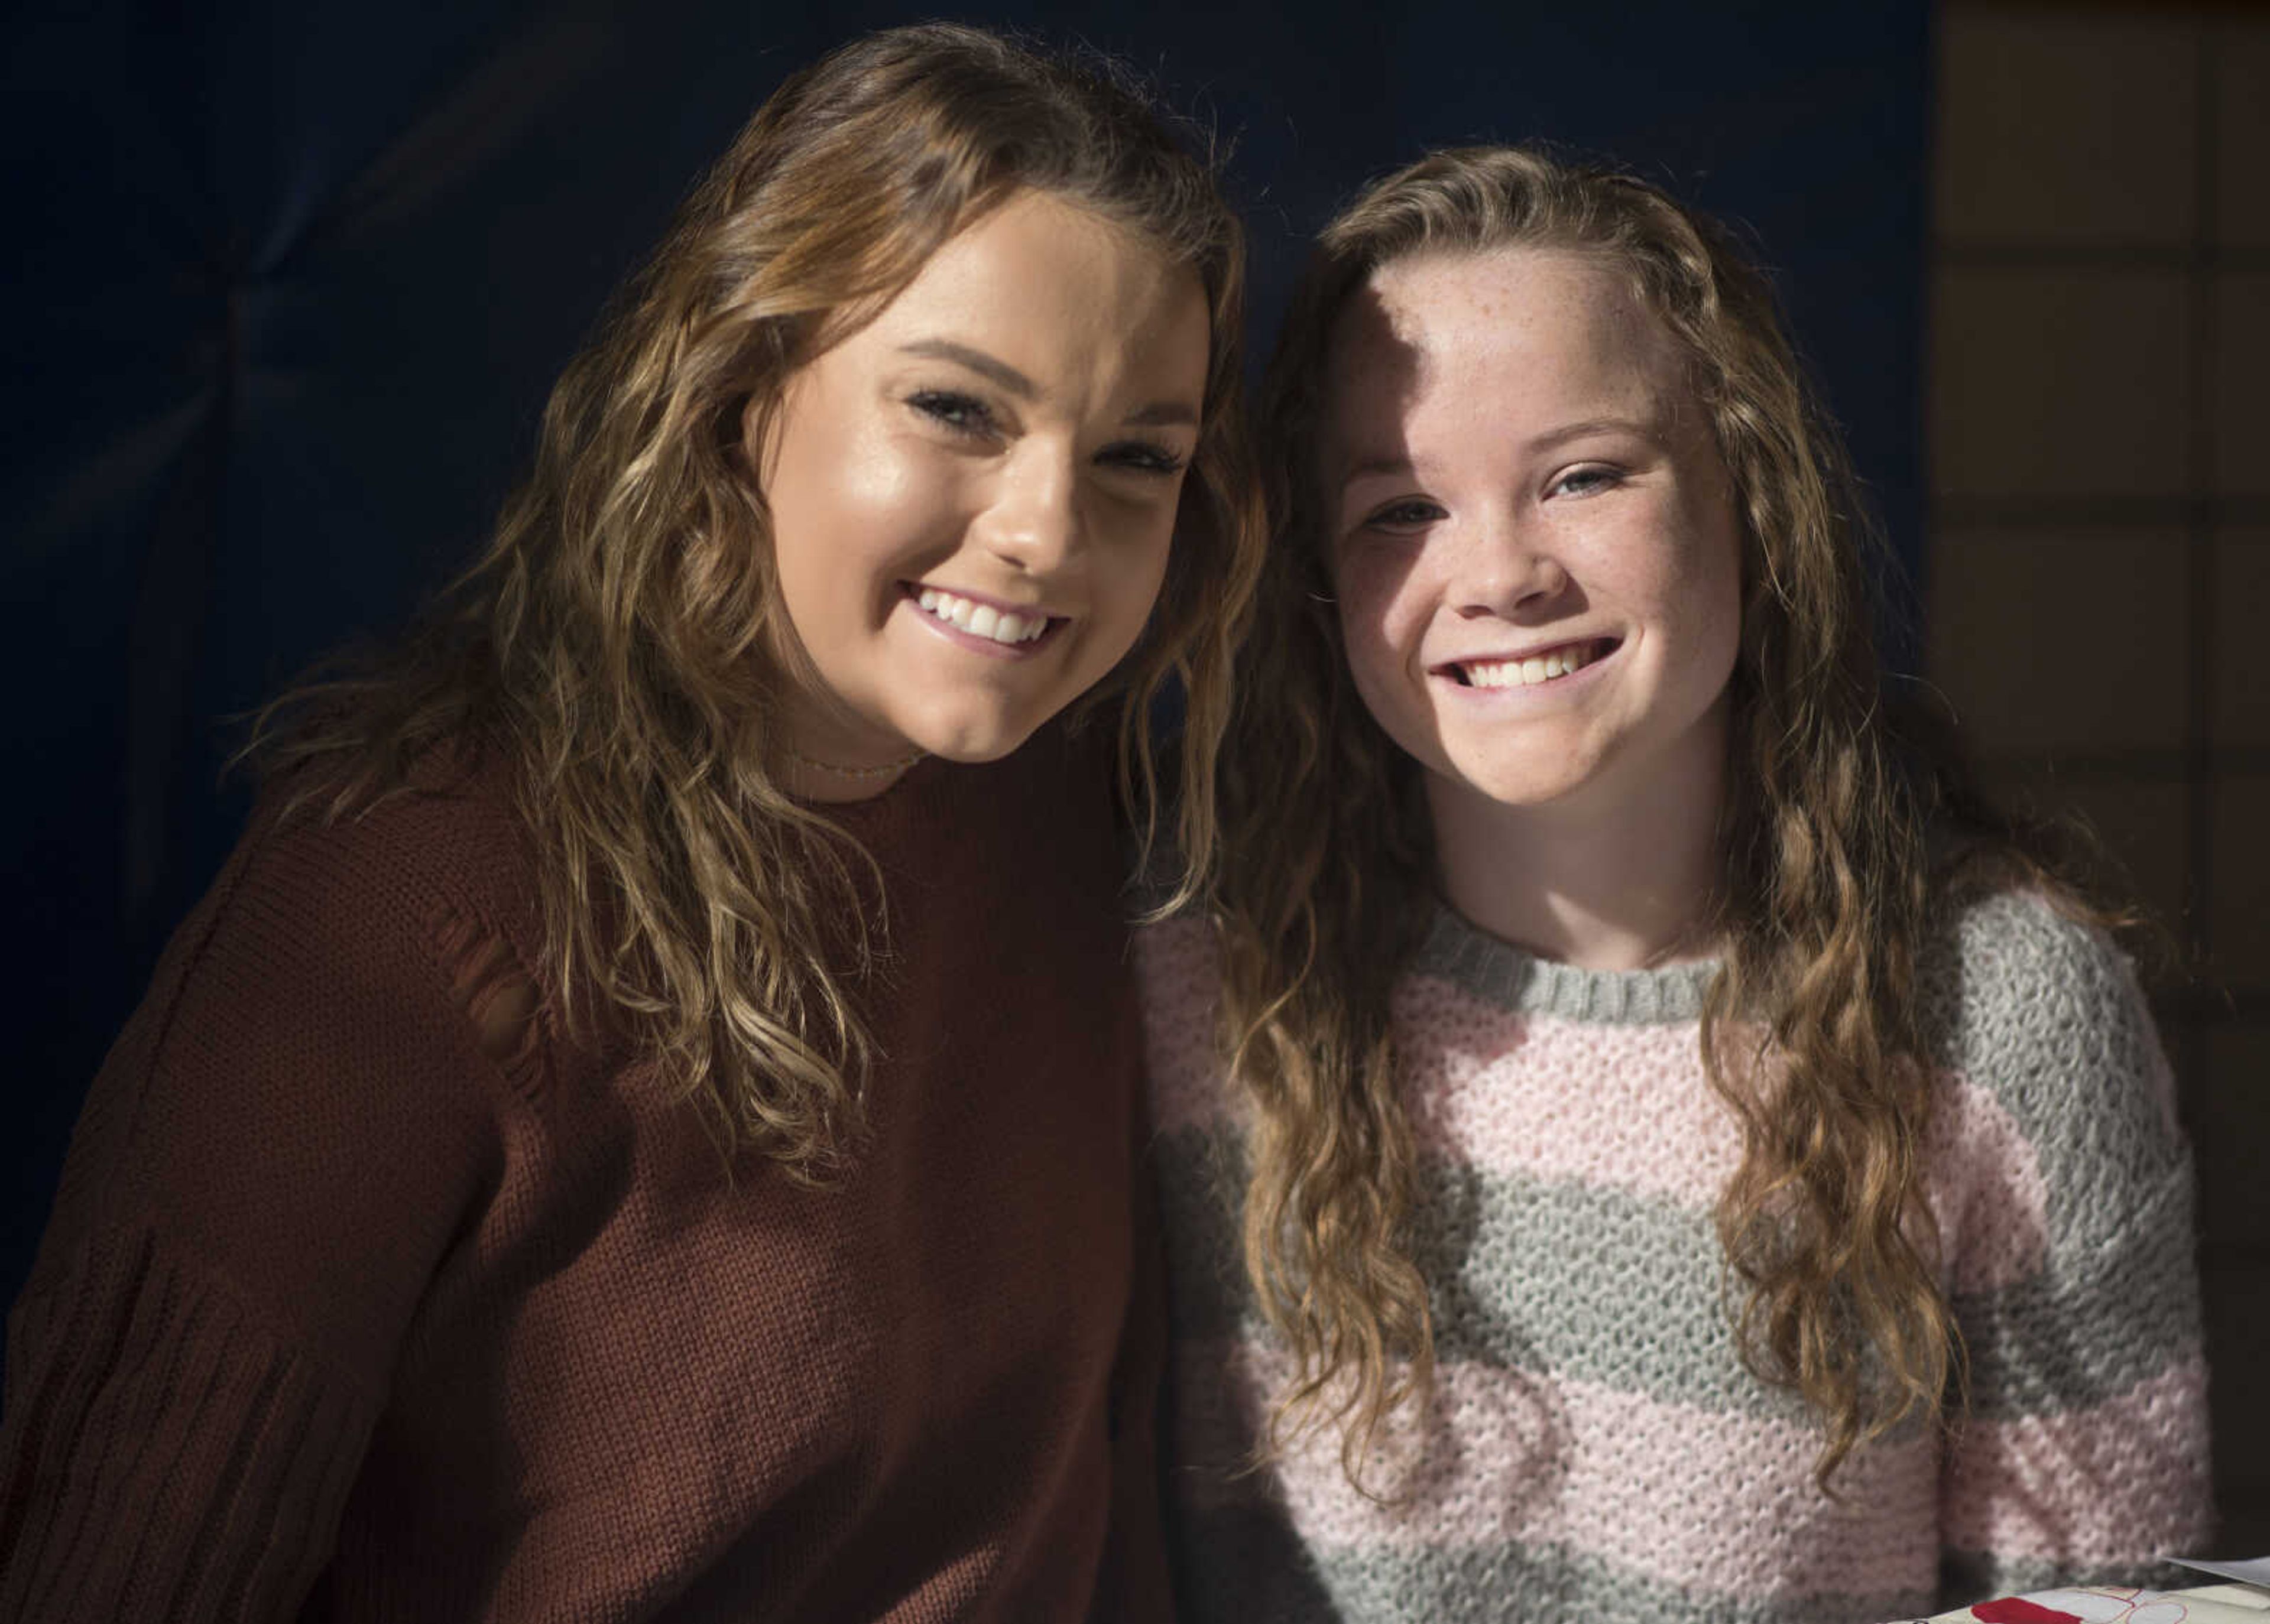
[
  {"x": 825, "y": 754},
  {"x": 1615, "y": 877},
  {"x": 813, "y": 778}
]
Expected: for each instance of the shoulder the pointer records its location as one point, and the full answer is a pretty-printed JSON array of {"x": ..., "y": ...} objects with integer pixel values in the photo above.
[
  {"x": 447, "y": 838},
  {"x": 375, "y": 934},
  {"x": 2022, "y": 939},
  {"x": 2042, "y": 1013},
  {"x": 306, "y": 1103},
  {"x": 2010, "y": 972}
]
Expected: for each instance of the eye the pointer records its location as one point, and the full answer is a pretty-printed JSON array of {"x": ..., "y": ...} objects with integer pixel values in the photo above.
[
  {"x": 1142, "y": 456},
  {"x": 964, "y": 414},
  {"x": 1586, "y": 481},
  {"x": 1410, "y": 512}
]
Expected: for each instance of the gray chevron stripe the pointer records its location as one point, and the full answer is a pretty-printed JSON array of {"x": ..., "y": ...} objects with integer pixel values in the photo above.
[
  {"x": 1592, "y": 1285},
  {"x": 1600, "y": 1285},
  {"x": 2092, "y": 1326},
  {"x": 2042, "y": 1014}
]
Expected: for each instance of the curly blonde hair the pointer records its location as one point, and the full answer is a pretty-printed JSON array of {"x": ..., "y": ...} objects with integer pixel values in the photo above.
[
  {"x": 612, "y": 644},
  {"x": 1824, "y": 892}
]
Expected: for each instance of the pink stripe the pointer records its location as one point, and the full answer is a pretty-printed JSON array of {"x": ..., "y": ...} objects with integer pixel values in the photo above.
[
  {"x": 2115, "y": 1483},
  {"x": 1560, "y": 1101},
  {"x": 1619, "y": 1107},
  {"x": 1986, "y": 1191},
  {"x": 1719, "y": 1501}
]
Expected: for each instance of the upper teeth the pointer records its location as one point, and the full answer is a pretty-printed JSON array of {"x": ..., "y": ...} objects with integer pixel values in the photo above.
[
  {"x": 983, "y": 619},
  {"x": 1537, "y": 668}
]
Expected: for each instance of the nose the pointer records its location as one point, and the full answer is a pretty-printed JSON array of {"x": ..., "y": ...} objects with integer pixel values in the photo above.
[
  {"x": 1503, "y": 569},
  {"x": 1033, "y": 522}
]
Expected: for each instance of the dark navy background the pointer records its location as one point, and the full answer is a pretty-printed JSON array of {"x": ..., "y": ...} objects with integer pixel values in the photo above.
[{"x": 287, "y": 283}]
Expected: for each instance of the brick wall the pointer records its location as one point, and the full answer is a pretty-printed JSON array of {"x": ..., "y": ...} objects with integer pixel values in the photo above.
[{"x": 2099, "y": 559}]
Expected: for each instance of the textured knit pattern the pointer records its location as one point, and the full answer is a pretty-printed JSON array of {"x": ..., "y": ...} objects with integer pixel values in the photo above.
[
  {"x": 367, "y": 1297},
  {"x": 1594, "y": 1449}
]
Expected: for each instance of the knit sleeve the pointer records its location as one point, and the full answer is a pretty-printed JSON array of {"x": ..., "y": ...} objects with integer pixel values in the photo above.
[
  {"x": 2083, "y": 1457},
  {"x": 274, "y": 1158}
]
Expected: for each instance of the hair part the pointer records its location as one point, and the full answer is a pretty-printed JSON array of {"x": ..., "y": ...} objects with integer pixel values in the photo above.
[
  {"x": 620, "y": 644},
  {"x": 1811, "y": 1033}
]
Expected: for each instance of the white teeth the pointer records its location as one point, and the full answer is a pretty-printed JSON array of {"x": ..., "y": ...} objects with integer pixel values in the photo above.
[
  {"x": 980, "y": 619},
  {"x": 1535, "y": 669}
]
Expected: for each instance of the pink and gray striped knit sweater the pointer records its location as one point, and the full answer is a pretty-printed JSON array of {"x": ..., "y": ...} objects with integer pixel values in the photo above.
[{"x": 1594, "y": 1450}]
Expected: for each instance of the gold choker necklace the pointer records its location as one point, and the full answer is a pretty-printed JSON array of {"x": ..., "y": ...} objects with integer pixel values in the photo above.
[{"x": 884, "y": 771}]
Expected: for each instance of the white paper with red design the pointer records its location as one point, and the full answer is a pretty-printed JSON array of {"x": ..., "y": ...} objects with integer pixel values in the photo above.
[{"x": 2216, "y": 1604}]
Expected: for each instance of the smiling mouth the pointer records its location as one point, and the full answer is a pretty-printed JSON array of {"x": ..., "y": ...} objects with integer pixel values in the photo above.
[
  {"x": 1533, "y": 670},
  {"x": 1009, "y": 627}
]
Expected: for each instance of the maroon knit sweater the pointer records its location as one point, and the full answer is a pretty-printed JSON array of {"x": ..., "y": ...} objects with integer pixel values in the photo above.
[{"x": 364, "y": 1300}]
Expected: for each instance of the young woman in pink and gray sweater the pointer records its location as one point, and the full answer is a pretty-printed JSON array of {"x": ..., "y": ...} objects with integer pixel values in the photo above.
[{"x": 1640, "y": 1139}]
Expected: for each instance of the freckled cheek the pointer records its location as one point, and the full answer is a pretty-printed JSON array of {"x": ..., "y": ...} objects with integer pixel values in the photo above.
[
  {"x": 1699, "y": 597},
  {"x": 1713, "y": 579}
]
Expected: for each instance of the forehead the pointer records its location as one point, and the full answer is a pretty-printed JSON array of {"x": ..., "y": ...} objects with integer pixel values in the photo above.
[
  {"x": 1543, "y": 329},
  {"x": 1040, "y": 269}
]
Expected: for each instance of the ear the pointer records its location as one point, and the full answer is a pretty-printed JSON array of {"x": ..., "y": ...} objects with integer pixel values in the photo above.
[
  {"x": 763, "y": 416},
  {"x": 782, "y": 376}
]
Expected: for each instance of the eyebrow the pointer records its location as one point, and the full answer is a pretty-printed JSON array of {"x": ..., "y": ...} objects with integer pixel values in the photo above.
[
  {"x": 1163, "y": 413},
  {"x": 1398, "y": 463},
  {"x": 1394, "y": 465},
  {"x": 1159, "y": 413},
  {"x": 985, "y": 366},
  {"x": 1645, "y": 429}
]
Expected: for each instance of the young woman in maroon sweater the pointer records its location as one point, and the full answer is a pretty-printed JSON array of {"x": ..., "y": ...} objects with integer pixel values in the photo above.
[{"x": 643, "y": 1126}]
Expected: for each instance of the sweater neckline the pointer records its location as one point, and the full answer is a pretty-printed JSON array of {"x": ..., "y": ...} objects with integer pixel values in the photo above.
[{"x": 1461, "y": 953}]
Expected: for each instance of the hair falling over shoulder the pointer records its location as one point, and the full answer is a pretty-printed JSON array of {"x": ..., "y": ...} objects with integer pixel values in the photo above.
[
  {"x": 619, "y": 646},
  {"x": 1811, "y": 1032}
]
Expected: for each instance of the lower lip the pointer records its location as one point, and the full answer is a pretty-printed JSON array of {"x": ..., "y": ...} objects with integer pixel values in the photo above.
[
  {"x": 986, "y": 646},
  {"x": 1574, "y": 681}
]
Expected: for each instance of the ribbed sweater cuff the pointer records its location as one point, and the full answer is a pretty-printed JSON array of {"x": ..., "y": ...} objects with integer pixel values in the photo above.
[{"x": 166, "y": 1454}]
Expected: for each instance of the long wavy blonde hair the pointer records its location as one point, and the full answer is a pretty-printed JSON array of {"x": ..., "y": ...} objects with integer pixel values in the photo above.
[
  {"x": 1822, "y": 903},
  {"x": 611, "y": 646}
]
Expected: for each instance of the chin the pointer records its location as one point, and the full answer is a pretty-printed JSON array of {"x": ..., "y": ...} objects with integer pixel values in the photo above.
[
  {"x": 971, "y": 746},
  {"x": 977, "y": 755},
  {"x": 1526, "y": 797},
  {"x": 1511, "y": 787}
]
